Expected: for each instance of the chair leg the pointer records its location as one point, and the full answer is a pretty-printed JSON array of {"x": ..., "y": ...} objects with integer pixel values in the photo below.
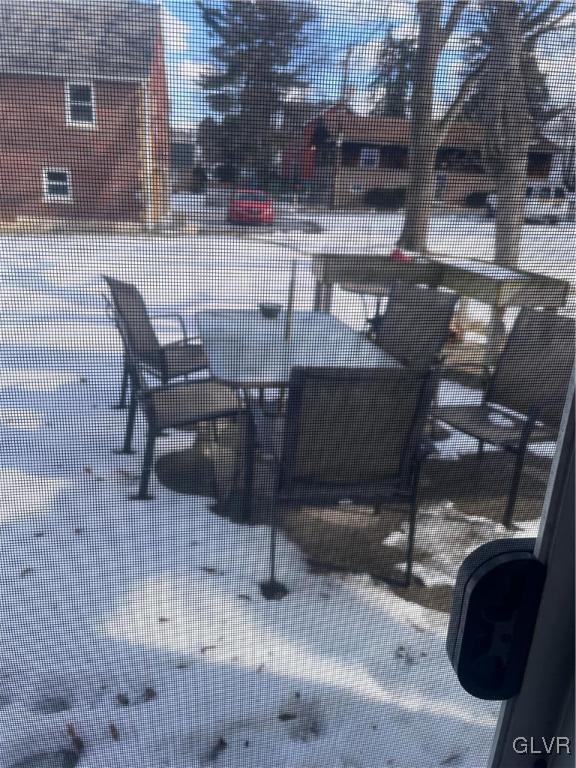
[
  {"x": 122, "y": 402},
  {"x": 514, "y": 487},
  {"x": 480, "y": 452},
  {"x": 411, "y": 539},
  {"x": 129, "y": 433},
  {"x": 272, "y": 589},
  {"x": 143, "y": 494},
  {"x": 249, "y": 467}
]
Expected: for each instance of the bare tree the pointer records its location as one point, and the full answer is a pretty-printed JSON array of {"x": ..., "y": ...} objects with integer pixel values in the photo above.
[
  {"x": 504, "y": 71},
  {"x": 508, "y": 128},
  {"x": 515, "y": 103},
  {"x": 427, "y": 133}
]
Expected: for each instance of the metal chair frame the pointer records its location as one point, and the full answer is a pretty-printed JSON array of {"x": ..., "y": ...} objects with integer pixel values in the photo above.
[
  {"x": 529, "y": 420},
  {"x": 141, "y": 393},
  {"x": 403, "y": 487}
]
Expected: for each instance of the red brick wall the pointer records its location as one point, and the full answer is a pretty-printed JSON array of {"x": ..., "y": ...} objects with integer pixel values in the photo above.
[{"x": 104, "y": 161}]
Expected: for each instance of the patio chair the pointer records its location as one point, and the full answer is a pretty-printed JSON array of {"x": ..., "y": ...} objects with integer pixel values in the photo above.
[
  {"x": 524, "y": 398},
  {"x": 178, "y": 405},
  {"x": 416, "y": 324},
  {"x": 164, "y": 362},
  {"x": 348, "y": 434}
]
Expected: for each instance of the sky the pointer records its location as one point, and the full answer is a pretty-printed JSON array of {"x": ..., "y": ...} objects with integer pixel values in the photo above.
[{"x": 341, "y": 23}]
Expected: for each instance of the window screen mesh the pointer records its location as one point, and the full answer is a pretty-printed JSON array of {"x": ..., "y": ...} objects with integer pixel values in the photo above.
[{"x": 272, "y": 275}]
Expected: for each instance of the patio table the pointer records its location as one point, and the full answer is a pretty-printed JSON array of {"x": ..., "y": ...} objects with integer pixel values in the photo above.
[
  {"x": 247, "y": 351},
  {"x": 500, "y": 287}
]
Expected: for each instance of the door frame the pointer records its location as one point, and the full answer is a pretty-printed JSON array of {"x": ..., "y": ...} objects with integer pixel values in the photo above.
[{"x": 542, "y": 708}]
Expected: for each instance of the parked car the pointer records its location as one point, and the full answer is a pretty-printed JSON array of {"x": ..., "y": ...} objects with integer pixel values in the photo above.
[
  {"x": 251, "y": 206},
  {"x": 548, "y": 203}
]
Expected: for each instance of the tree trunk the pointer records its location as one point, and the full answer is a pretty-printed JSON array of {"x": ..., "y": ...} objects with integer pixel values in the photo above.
[
  {"x": 424, "y": 139},
  {"x": 508, "y": 132},
  {"x": 515, "y": 139},
  {"x": 511, "y": 191}
]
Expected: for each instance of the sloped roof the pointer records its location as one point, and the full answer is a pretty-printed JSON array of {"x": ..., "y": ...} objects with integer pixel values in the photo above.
[
  {"x": 373, "y": 129},
  {"x": 76, "y": 38}
]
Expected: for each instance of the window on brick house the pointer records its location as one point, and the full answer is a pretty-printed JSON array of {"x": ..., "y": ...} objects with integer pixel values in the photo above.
[
  {"x": 57, "y": 185},
  {"x": 369, "y": 157},
  {"x": 80, "y": 109}
]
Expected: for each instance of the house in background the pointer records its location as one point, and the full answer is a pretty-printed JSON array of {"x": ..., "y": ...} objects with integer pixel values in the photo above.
[
  {"x": 349, "y": 160},
  {"x": 83, "y": 112},
  {"x": 188, "y": 174}
]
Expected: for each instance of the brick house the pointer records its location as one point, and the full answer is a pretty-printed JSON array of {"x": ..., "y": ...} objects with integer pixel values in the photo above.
[
  {"x": 83, "y": 112},
  {"x": 345, "y": 157}
]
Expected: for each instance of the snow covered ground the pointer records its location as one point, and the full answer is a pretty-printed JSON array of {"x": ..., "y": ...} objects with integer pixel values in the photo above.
[{"x": 136, "y": 630}]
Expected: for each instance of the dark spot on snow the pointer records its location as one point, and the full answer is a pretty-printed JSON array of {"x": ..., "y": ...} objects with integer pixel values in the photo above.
[
  {"x": 63, "y": 758},
  {"x": 38, "y": 534},
  {"x": 246, "y": 743},
  {"x": 284, "y": 716},
  {"x": 182, "y": 665},
  {"x": 78, "y": 531},
  {"x": 405, "y": 655},
  {"x": 149, "y": 694},
  {"x": 452, "y": 758},
  {"x": 374, "y": 727},
  {"x": 163, "y": 619},
  {"x": 244, "y": 597},
  {"x": 296, "y": 694},
  {"x": 114, "y": 732},
  {"x": 217, "y": 749},
  {"x": 4, "y": 700},
  {"x": 307, "y": 725},
  {"x": 206, "y": 648},
  {"x": 209, "y": 569},
  {"x": 122, "y": 700},
  {"x": 77, "y": 741},
  {"x": 26, "y": 572},
  {"x": 51, "y": 705}
]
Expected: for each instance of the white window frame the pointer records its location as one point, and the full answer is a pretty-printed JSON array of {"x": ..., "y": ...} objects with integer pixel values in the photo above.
[
  {"x": 80, "y": 123},
  {"x": 369, "y": 152},
  {"x": 50, "y": 198}
]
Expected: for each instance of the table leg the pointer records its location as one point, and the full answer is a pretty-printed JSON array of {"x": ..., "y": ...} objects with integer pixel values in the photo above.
[
  {"x": 496, "y": 334},
  {"x": 327, "y": 298},
  {"x": 250, "y": 454},
  {"x": 318, "y": 289}
]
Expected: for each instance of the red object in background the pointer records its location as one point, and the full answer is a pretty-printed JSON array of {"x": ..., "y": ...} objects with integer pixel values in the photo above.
[
  {"x": 251, "y": 206},
  {"x": 399, "y": 255}
]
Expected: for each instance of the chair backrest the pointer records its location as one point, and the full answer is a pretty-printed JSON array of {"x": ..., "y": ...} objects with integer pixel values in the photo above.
[
  {"x": 356, "y": 430},
  {"x": 139, "y": 334},
  {"x": 533, "y": 371},
  {"x": 416, "y": 324}
]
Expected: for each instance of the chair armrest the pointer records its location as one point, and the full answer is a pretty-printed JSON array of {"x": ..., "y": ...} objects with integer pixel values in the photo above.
[
  {"x": 478, "y": 374},
  {"x": 180, "y": 322}
]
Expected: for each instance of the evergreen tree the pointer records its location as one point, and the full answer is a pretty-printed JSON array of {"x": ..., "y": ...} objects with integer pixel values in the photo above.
[
  {"x": 394, "y": 75},
  {"x": 256, "y": 65}
]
